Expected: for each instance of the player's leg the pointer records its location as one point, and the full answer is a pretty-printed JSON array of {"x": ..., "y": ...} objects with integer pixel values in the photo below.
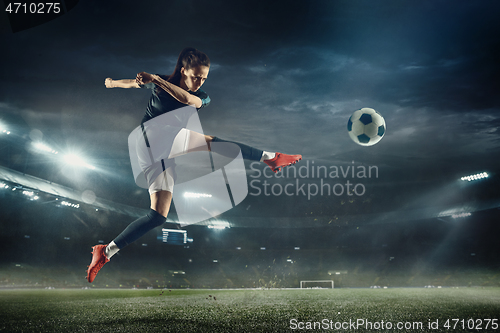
[
  {"x": 189, "y": 141},
  {"x": 157, "y": 215},
  {"x": 161, "y": 199},
  {"x": 274, "y": 160}
]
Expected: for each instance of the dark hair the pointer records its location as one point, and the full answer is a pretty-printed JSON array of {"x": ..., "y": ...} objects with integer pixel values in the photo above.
[{"x": 188, "y": 58}]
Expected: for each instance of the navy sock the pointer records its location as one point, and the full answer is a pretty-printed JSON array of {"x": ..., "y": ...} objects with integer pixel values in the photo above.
[
  {"x": 138, "y": 228},
  {"x": 248, "y": 153}
]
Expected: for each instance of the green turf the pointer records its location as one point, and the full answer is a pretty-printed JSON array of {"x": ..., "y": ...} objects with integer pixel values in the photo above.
[{"x": 242, "y": 310}]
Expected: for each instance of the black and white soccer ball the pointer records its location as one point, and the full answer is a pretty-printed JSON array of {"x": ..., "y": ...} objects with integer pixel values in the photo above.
[{"x": 366, "y": 127}]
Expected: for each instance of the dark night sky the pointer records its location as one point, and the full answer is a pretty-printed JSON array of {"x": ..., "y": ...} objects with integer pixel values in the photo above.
[{"x": 285, "y": 76}]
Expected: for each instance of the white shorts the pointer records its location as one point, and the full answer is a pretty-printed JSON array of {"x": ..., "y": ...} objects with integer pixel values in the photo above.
[
  {"x": 164, "y": 182},
  {"x": 184, "y": 141},
  {"x": 156, "y": 143}
]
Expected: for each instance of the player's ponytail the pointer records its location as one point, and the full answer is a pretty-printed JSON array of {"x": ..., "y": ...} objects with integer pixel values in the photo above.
[{"x": 188, "y": 58}]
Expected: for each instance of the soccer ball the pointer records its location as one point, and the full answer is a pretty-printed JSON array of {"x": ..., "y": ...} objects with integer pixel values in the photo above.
[{"x": 366, "y": 127}]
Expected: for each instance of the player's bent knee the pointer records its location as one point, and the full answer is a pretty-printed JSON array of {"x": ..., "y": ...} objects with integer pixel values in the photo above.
[{"x": 156, "y": 219}]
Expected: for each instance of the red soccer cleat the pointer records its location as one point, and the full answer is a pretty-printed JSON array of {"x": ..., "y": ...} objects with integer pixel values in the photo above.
[
  {"x": 98, "y": 260},
  {"x": 282, "y": 160}
]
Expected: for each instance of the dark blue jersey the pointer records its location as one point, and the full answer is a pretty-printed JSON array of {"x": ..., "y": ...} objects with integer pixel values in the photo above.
[{"x": 162, "y": 102}]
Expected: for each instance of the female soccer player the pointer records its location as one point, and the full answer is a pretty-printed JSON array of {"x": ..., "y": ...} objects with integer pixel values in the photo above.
[{"x": 169, "y": 93}]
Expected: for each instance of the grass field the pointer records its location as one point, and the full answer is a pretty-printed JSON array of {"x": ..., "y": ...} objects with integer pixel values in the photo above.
[{"x": 250, "y": 310}]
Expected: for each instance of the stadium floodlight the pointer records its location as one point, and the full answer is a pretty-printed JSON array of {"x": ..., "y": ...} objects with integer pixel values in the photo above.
[
  {"x": 196, "y": 195},
  {"x": 69, "y": 204},
  {"x": 219, "y": 225},
  {"x": 456, "y": 216},
  {"x": 477, "y": 176},
  {"x": 3, "y": 129},
  {"x": 43, "y": 147},
  {"x": 78, "y": 161}
]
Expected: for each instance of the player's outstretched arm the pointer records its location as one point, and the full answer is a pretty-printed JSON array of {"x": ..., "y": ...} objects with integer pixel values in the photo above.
[
  {"x": 176, "y": 92},
  {"x": 125, "y": 83}
]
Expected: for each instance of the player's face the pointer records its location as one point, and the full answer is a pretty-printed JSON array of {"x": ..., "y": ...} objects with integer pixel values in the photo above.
[{"x": 193, "y": 78}]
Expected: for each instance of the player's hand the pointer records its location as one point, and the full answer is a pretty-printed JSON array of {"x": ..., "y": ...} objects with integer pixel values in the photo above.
[
  {"x": 144, "y": 78},
  {"x": 109, "y": 83}
]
